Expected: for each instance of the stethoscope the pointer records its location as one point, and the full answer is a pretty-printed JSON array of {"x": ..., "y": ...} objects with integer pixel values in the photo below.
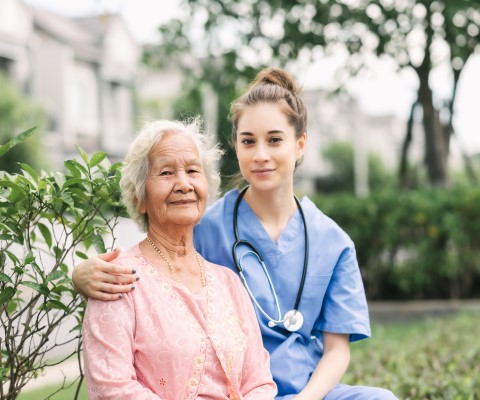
[{"x": 293, "y": 319}]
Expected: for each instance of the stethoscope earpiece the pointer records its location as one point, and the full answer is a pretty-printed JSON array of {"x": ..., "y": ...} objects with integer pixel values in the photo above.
[{"x": 293, "y": 319}]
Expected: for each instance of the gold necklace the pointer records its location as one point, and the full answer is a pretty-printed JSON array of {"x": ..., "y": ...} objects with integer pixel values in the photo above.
[{"x": 172, "y": 270}]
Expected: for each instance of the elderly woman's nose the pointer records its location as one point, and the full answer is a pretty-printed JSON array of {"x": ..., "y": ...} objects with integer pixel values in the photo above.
[{"x": 183, "y": 182}]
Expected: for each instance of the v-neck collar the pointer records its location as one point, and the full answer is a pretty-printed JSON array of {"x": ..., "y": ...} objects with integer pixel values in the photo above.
[{"x": 251, "y": 228}]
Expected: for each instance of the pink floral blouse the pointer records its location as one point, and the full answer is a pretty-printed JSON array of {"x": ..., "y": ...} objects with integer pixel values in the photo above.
[{"x": 162, "y": 342}]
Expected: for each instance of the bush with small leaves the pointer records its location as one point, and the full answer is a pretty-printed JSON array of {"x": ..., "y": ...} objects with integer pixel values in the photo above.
[{"x": 47, "y": 222}]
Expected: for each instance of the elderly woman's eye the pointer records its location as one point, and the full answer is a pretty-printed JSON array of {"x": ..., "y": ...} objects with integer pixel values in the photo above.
[
  {"x": 165, "y": 173},
  {"x": 193, "y": 171}
]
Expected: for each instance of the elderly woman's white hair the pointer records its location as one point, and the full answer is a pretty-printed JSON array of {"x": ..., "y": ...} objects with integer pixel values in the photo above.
[{"x": 136, "y": 165}]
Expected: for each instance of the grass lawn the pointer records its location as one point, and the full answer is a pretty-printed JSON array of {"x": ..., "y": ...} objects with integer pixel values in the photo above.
[
  {"x": 428, "y": 360},
  {"x": 437, "y": 359}
]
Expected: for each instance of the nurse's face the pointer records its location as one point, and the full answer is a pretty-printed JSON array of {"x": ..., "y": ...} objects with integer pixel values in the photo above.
[
  {"x": 267, "y": 148},
  {"x": 176, "y": 189}
]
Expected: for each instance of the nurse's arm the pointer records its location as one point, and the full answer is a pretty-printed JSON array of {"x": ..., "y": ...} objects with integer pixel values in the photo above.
[{"x": 330, "y": 369}]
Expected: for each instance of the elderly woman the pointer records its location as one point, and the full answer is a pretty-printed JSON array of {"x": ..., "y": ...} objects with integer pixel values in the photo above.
[{"x": 190, "y": 330}]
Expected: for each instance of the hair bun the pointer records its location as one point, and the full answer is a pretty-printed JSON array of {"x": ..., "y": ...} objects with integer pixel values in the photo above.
[{"x": 276, "y": 76}]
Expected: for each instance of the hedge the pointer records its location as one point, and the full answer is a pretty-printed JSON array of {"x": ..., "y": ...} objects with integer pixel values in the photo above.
[{"x": 413, "y": 244}]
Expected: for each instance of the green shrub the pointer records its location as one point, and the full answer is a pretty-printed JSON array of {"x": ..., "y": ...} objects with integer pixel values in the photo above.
[
  {"x": 46, "y": 220},
  {"x": 415, "y": 244}
]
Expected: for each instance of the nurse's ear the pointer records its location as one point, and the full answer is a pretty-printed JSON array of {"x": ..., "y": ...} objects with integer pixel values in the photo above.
[{"x": 300, "y": 145}]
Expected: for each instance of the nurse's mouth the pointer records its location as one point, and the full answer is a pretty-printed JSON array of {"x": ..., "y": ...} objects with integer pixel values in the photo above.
[{"x": 262, "y": 171}]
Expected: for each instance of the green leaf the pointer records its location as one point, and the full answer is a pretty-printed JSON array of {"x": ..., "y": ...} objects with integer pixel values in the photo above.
[
  {"x": 12, "y": 257},
  {"x": 6, "y": 294},
  {"x": 12, "y": 306},
  {"x": 97, "y": 158},
  {"x": 64, "y": 268},
  {"x": 29, "y": 258},
  {"x": 45, "y": 233},
  {"x": 40, "y": 288},
  {"x": 82, "y": 154},
  {"x": 38, "y": 270},
  {"x": 98, "y": 243},
  {"x": 17, "y": 192},
  {"x": 55, "y": 304},
  {"x": 73, "y": 168},
  {"x": 17, "y": 139},
  {"x": 58, "y": 252},
  {"x": 83, "y": 256},
  {"x": 57, "y": 274},
  {"x": 4, "y": 374},
  {"x": 73, "y": 181},
  {"x": 30, "y": 171},
  {"x": 5, "y": 278},
  {"x": 59, "y": 178},
  {"x": 5, "y": 228}
]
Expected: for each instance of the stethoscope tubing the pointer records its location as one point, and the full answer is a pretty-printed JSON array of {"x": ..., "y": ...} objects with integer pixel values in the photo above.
[{"x": 253, "y": 250}]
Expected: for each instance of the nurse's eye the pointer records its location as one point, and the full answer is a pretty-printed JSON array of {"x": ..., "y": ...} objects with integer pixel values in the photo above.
[
  {"x": 275, "y": 139},
  {"x": 247, "y": 141}
]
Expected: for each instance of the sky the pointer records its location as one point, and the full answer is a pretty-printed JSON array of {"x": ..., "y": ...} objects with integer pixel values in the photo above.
[{"x": 384, "y": 92}]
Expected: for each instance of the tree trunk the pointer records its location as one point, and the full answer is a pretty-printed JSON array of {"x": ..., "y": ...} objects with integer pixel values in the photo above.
[
  {"x": 435, "y": 144},
  {"x": 403, "y": 170},
  {"x": 436, "y": 147}
]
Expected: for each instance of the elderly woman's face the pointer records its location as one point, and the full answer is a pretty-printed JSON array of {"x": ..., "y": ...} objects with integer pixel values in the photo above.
[{"x": 176, "y": 189}]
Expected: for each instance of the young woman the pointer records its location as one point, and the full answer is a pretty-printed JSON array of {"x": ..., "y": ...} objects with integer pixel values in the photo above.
[{"x": 298, "y": 266}]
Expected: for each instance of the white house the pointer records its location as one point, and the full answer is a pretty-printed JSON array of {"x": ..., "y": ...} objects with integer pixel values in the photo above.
[{"x": 81, "y": 70}]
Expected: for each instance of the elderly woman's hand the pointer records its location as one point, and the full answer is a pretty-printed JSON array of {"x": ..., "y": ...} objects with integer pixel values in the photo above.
[{"x": 97, "y": 278}]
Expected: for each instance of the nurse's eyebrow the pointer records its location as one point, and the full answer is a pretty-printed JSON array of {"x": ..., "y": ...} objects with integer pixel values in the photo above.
[{"x": 272, "y": 132}]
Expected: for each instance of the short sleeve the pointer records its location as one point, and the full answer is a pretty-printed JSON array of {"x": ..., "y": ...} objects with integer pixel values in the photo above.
[{"x": 345, "y": 307}]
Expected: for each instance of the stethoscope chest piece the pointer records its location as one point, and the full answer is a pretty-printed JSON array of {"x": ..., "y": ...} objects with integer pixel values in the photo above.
[{"x": 293, "y": 320}]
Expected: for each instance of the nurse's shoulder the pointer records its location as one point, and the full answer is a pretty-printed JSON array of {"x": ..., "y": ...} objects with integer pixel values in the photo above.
[
  {"x": 323, "y": 226},
  {"x": 213, "y": 234},
  {"x": 219, "y": 213}
]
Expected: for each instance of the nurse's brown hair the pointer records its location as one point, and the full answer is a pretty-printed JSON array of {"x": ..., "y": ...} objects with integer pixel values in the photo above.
[{"x": 275, "y": 86}]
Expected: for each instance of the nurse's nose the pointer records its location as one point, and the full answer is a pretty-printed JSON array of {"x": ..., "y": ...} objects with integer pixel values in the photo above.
[
  {"x": 182, "y": 183},
  {"x": 261, "y": 153}
]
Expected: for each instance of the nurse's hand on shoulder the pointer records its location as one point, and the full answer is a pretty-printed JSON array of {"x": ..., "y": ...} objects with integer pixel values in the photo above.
[{"x": 97, "y": 278}]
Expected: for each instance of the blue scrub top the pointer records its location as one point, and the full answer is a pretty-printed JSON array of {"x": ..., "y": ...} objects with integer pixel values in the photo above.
[{"x": 333, "y": 298}]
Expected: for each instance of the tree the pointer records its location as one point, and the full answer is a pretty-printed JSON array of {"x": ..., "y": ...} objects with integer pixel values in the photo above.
[
  {"x": 45, "y": 221},
  {"x": 18, "y": 113},
  {"x": 249, "y": 34}
]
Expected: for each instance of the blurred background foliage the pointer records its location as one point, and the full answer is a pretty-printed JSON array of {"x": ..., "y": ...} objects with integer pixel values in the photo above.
[
  {"x": 422, "y": 244},
  {"x": 417, "y": 233},
  {"x": 17, "y": 114},
  {"x": 341, "y": 178},
  {"x": 231, "y": 40}
]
